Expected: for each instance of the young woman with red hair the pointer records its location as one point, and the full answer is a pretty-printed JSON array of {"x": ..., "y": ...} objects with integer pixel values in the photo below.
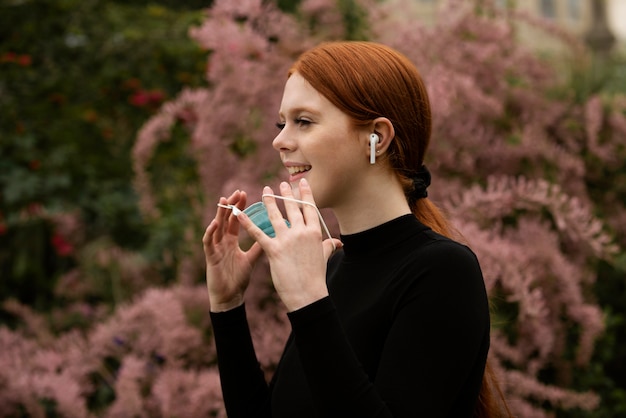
[{"x": 392, "y": 319}]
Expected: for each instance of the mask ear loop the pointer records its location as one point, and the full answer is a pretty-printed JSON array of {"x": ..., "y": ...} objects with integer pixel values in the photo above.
[
  {"x": 263, "y": 196},
  {"x": 237, "y": 211}
]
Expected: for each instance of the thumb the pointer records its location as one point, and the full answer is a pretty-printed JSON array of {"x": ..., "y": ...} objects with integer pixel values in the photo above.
[
  {"x": 330, "y": 246},
  {"x": 254, "y": 231}
]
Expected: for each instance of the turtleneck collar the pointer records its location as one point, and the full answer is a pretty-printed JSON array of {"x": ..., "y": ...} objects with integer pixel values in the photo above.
[{"x": 381, "y": 238}]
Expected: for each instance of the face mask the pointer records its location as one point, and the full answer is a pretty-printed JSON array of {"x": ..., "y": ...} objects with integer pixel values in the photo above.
[{"x": 257, "y": 212}]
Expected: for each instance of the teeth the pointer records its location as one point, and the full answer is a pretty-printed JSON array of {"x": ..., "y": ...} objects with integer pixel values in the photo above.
[{"x": 298, "y": 169}]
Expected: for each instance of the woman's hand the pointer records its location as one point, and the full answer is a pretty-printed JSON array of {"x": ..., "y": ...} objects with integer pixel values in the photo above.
[
  {"x": 297, "y": 254},
  {"x": 228, "y": 267}
]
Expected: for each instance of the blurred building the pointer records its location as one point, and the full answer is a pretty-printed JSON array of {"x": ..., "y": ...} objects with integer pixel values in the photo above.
[{"x": 599, "y": 21}]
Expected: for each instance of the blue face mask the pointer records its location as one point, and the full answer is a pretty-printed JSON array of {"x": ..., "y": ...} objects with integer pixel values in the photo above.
[{"x": 257, "y": 212}]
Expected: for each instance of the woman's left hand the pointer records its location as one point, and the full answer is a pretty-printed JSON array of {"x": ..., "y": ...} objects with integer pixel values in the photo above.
[{"x": 297, "y": 254}]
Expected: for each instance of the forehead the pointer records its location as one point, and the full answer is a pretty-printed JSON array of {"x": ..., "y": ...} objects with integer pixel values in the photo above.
[{"x": 299, "y": 94}]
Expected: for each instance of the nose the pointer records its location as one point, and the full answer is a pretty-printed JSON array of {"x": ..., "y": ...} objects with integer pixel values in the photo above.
[{"x": 282, "y": 143}]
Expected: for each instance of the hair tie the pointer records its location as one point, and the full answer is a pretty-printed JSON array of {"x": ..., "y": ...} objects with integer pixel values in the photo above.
[{"x": 421, "y": 181}]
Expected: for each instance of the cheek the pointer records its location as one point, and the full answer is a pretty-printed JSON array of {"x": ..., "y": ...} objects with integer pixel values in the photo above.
[
  {"x": 335, "y": 159},
  {"x": 329, "y": 185}
]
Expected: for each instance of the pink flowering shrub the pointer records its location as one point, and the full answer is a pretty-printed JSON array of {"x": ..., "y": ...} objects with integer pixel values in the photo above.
[
  {"x": 513, "y": 172},
  {"x": 516, "y": 167},
  {"x": 150, "y": 358}
]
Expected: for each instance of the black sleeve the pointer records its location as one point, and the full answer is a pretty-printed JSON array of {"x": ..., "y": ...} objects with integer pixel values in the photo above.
[
  {"x": 243, "y": 383},
  {"x": 434, "y": 353},
  {"x": 337, "y": 381}
]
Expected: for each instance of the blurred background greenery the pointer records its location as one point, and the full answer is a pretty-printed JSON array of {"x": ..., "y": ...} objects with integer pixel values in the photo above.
[{"x": 78, "y": 79}]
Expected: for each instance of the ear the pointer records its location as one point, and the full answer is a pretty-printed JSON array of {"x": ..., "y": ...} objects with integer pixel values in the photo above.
[{"x": 386, "y": 133}]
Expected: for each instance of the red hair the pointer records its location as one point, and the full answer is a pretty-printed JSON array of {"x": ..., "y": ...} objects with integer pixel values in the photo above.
[{"x": 368, "y": 80}]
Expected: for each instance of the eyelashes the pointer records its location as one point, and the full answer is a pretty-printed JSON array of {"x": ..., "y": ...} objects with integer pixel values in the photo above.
[{"x": 299, "y": 122}]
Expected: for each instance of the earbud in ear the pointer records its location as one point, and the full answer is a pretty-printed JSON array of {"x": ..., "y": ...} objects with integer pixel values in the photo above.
[{"x": 374, "y": 139}]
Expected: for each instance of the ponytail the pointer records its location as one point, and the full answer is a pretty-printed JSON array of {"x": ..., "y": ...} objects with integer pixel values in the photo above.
[
  {"x": 430, "y": 215},
  {"x": 491, "y": 402}
]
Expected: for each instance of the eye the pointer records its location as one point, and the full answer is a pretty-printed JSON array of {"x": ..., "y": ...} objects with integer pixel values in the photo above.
[{"x": 298, "y": 121}]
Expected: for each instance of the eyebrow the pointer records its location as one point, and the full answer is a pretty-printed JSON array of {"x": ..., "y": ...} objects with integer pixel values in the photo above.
[{"x": 300, "y": 109}]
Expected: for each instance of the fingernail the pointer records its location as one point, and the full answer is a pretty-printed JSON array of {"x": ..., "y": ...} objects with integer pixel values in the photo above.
[
  {"x": 284, "y": 185},
  {"x": 304, "y": 182}
]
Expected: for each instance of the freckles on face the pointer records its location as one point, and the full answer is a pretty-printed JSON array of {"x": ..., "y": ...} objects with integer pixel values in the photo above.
[{"x": 317, "y": 141}]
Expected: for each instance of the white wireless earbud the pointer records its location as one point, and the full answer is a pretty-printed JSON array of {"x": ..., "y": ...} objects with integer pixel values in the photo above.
[{"x": 374, "y": 139}]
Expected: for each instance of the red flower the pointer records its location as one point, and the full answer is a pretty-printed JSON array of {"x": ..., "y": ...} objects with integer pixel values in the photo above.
[
  {"x": 61, "y": 246},
  {"x": 143, "y": 98},
  {"x": 139, "y": 99},
  {"x": 25, "y": 60}
]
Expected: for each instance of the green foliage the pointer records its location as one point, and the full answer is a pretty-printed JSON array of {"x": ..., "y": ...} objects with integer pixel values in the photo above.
[
  {"x": 606, "y": 375},
  {"x": 77, "y": 80},
  {"x": 353, "y": 15},
  {"x": 354, "y": 18}
]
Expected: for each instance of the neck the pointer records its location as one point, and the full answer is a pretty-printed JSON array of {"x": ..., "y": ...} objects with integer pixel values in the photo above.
[{"x": 377, "y": 203}]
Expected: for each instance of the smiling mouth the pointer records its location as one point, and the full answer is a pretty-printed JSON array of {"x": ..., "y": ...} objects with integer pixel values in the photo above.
[{"x": 298, "y": 169}]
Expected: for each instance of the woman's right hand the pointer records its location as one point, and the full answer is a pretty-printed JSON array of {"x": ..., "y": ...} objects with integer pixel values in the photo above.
[{"x": 228, "y": 267}]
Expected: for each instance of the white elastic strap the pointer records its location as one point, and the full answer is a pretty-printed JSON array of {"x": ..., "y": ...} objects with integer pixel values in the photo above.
[
  {"x": 235, "y": 209},
  {"x": 305, "y": 203}
]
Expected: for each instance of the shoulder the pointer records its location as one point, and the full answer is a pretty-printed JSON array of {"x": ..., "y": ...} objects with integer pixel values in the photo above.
[
  {"x": 437, "y": 250},
  {"x": 441, "y": 264}
]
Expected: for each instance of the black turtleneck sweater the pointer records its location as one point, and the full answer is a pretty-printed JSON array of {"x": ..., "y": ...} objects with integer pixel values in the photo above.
[{"x": 404, "y": 333}]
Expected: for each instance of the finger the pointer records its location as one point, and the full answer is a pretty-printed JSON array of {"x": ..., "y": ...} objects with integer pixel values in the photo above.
[
  {"x": 221, "y": 219},
  {"x": 237, "y": 199},
  {"x": 207, "y": 239},
  {"x": 223, "y": 209},
  {"x": 223, "y": 212},
  {"x": 273, "y": 213},
  {"x": 294, "y": 215},
  {"x": 329, "y": 248},
  {"x": 311, "y": 216}
]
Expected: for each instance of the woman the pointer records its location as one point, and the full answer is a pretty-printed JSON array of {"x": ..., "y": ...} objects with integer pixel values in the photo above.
[{"x": 395, "y": 322}]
